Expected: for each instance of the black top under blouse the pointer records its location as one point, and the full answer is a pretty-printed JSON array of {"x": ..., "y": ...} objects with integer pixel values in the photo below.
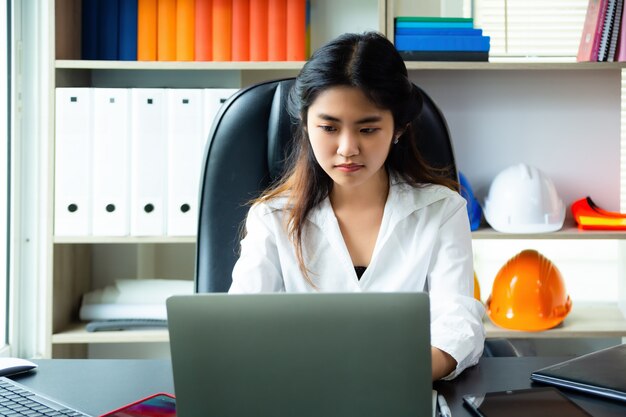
[{"x": 359, "y": 271}]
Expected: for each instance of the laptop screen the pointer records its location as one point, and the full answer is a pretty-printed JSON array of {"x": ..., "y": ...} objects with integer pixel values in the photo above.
[{"x": 353, "y": 354}]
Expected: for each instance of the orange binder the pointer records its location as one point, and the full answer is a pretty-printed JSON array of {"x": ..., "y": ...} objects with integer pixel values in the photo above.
[
  {"x": 185, "y": 32},
  {"x": 146, "y": 30},
  {"x": 276, "y": 30},
  {"x": 222, "y": 30},
  {"x": 296, "y": 30},
  {"x": 166, "y": 30},
  {"x": 241, "y": 30},
  {"x": 203, "y": 31},
  {"x": 258, "y": 30}
]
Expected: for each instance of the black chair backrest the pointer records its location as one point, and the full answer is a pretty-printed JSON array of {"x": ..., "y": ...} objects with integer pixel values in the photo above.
[{"x": 245, "y": 152}]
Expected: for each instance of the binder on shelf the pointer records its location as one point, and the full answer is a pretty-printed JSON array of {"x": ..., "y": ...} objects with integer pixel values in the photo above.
[
  {"x": 402, "y": 22},
  {"x": 258, "y": 30},
  {"x": 222, "y": 30},
  {"x": 89, "y": 29},
  {"x": 185, "y": 128},
  {"x": 203, "y": 30},
  {"x": 148, "y": 162},
  {"x": 213, "y": 100},
  {"x": 146, "y": 30},
  {"x": 296, "y": 30},
  {"x": 442, "y": 43},
  {"x": 592, "y": 31},
  {"x": 617, "y": 23},
  {"x": 185, "y": 30},
  {"x": 72, "y": 163},
  {"x": 276, "y": 30},
  {"x": 620, "y": 51},
  {"x": 166, "y": 30},
  {"x": 110, "y": 162},
  {"x": 108, "y": 30},
  {"x": 241, "y": 30},
  {"x": 607, "y": 28},
  {"x": 127, "y": 38}
]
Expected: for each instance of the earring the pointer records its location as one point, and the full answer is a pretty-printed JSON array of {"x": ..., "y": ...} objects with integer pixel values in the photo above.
[{"x": 396, "y": 140}]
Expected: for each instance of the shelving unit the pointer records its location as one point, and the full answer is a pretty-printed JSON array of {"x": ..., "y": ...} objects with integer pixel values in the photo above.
[{"x": 71, "y": 266}]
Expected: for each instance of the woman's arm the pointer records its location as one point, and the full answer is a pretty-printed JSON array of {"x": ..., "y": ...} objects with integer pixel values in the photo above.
[{"x": 443, "y": 364}]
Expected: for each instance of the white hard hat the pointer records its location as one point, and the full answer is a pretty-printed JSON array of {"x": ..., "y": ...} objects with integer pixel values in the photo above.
[{"x": 522, "y": 199}]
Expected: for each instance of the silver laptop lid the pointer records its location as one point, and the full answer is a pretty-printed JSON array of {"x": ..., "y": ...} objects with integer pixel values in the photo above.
[{"x": 285, "y": 355}]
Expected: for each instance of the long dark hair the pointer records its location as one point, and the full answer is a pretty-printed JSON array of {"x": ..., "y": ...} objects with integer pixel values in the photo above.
[{"x": 370, "y": 62}]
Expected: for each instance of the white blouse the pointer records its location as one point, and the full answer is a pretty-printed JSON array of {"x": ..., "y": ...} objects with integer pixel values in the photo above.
[{"x": 424, "y": 244}]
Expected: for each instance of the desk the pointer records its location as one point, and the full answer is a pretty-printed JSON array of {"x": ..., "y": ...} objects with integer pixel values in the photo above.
[{"x": 96, "y": 386}]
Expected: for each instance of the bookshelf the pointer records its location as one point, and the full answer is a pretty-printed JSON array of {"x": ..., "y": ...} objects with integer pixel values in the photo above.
[{"x": 73, "y": 261}]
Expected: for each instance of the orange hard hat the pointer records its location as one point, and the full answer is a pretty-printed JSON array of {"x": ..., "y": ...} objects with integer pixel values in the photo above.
[
  {"x": 476, "y": 288},
  {"x": 528, "y": 294}
]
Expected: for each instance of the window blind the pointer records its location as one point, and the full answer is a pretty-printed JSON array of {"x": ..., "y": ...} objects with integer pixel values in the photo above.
[{"x": 541, "y": 28}]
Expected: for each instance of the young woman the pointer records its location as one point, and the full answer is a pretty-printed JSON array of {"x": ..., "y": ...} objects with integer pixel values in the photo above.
[{"x": 359, "y": 209}]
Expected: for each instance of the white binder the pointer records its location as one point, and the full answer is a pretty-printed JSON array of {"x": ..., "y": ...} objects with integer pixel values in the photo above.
[
  {"x": 213, "y": 100},
  {"x": 148, "y": 162},
  {"x": 111, "y": 148},
  {"x": 72, "y": 212},
  {"x": 184, "y": 153}
]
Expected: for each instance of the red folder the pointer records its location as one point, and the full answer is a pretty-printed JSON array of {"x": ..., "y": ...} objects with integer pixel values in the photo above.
[
  {"x": 147, "y": 30},
  {"x": 296, "y": 30},
  {"x": 258, "y": 30},
  {"x": 222, "y": 30},
  {"x": 276, "y": 30},
  {"x": 166, "y": 30},
  {"x": 185, "y": 30},
  {"x": 241, "y": 30},
  {"x": 203, "y": 30}
]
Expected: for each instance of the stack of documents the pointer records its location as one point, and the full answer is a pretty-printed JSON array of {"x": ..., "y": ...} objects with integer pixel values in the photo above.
[
  {"x": 128, "y": 162},
  {"x": 131, "y": 303}
]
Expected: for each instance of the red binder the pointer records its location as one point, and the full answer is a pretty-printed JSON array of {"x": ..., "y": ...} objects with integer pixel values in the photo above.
[
  {"x": 185, "y": 30},
  {"x": 258, "y": 30},
  {"x": 166, "y": 30},
  {"x": 222, "y": 30},
  {"x": 147, "y": 30},
  {"x": 203, "y": 30},
  {"x": 276, "y": 30},
  {"x": 241, "y": 30},
  {"x": 296, "y": 30}
]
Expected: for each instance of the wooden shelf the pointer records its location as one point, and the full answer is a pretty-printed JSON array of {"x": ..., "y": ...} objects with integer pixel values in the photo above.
[
  {"x": 76, "y": 333},
  {"x": 494, "y": 64},
  {"x": 177, "y": 65},
  {"x": 585, "y": 320},
  {"x": 569, "y": 231},
  {"x": 123, "y": 239}
]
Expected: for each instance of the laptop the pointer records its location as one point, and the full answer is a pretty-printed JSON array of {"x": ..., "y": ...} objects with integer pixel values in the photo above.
[
  {"x": 285, "y": 355},
  {"x": 600, "y": 373}
]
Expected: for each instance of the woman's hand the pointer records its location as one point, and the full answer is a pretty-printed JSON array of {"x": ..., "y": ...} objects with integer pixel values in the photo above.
[{"x": 442, "y": 362}]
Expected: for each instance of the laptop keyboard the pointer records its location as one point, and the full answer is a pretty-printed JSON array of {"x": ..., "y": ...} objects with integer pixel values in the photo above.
[{"x": 16, "y": 400}]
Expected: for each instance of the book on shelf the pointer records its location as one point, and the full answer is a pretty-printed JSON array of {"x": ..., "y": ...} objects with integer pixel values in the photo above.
[
  {"x": 276, "y": 30},
  {"x": 607, "y": 29},
  {"x": 617, "y": 22},
  {"x": 442, "y": 43},
  {"x": 127, "y": 38},
  {"x": 409, "y": 22},
  {"x": 241, "y": 30},
  {"x": 620, "y": 51},
  {"x": 146, "y": 30},
  {"x": 166, "y": 30},
  {"x": 592, "y": 31},
  {"x": 296, "y": 30},
  {"x": 438, "y": 30},
  {"x": 185, "y": 30},
  {"x": 222, "y": 30},
  {"x": 447, "y": 56},
  {"x": 203, "y": 34}
]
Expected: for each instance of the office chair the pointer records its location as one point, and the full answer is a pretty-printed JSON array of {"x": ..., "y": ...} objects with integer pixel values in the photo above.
[{"x": 245, "y": 153}]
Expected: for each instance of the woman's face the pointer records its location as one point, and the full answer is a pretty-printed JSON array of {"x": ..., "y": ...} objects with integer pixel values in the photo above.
[{"x": 350, "y": 136}]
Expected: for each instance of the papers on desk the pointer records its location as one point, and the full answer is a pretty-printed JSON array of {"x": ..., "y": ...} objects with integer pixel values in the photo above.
[{"x": 131, "y": 303}]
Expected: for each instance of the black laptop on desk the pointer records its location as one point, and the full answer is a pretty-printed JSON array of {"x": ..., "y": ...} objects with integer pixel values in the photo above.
[
  {"x": 600, "y": 373},
  {"x": 305, "y": 355}
]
